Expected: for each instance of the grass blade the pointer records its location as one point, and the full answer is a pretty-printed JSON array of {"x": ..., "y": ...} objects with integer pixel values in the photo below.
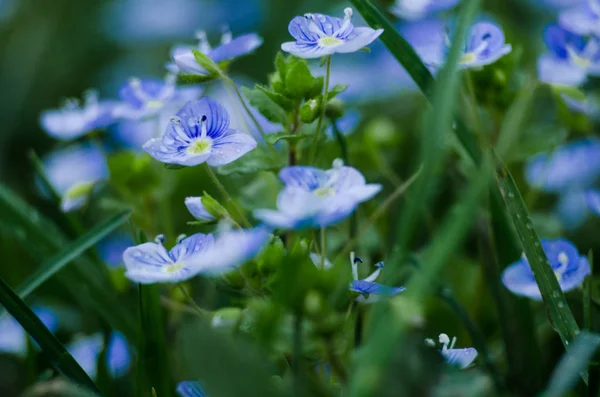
[
  {"x": 558, "y": 310},
  {"x": 56, "y": 352},
  {"x": 573, "y": 363},
  {"x": 71, "y": 252}
]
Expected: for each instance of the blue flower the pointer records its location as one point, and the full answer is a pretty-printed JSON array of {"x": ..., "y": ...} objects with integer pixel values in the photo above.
[
  {"x": 201, "y": 253},
  {"x": 574, "y": 165},
  {"x": 86, "y": 352},
  {"x": 484, "y": 45},
  {"x": 418, "y": 9},
  {"x": 111, "y": 248},
  {"x": 13, "y": 338},
  {"x": 319, "y": 35},
  {"x": 571, "y": 58},
  {"x": 74, "y": 120},
  {"x": 200, "y": 133},
  {"x": 459, "y": 357},
  {"x": 316, "y": 260},
  {"x": 368, "y": 286},
  {"x": 196, "y": 208},
  {"x": 143, "y": 98},
  {"x": 570, "y": 269},
  {"x": 190, "y": 388},
  {"x": 588, "y": 105},
  {"x": 313, "y": 198},
  {"x": 184, "y": 61},
  {"x": 592, "y": 197},
  {"x": 583, "y": 19},
  {"x": 74, "y": 171}
]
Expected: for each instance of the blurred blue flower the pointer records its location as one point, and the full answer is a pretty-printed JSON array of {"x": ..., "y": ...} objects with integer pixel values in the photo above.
[
  {"x": 572, "y": 208},
  {"x": 571, "y": 58},
  {"x": 196, "y": 208},
  {"x": 570, "y": 269},
  {"x": 73, "y": 173},
  {"x": 143, "y": 98},
  {"x": 418, "y": 9},
  {"x": 459, "y": 357},
  {"x": 368, "y": 286},
  {"x": 74, "y": 119},
  {"x": 86, "y": 352},
  {"x": 316, "y": 260},
  {"x": 484, "y": 45},
  {"x": 190, "y": 388},
  {"x": 319, "y": 35},
  {"x": 592, "y": 197},
  {"x": 13, "y": 338},
  {"x": 583, "y": 19},
  {"x": 313, "y": 198},
  {"x": 573, "y": 165},
  {"x": 200, "y": 133},
  {"x": 111, "y": 248},
  {"x": 588, "y": 105},
  {"x": 184, "y": 61},
  {"x": 150, "y": 263},
  {"x": 201, "y": 253},
  {"x": 345, "y": 124}
]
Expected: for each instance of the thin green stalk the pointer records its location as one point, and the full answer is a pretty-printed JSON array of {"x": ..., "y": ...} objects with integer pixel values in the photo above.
[
  {"x": 587, "y": 295},
  {"x": 341, "y": 139},
  {"x": 323, "y": 247},
  {"x": 191, "y": 301},
  {"x": 315, "y": 144},
  {"x": 473, "y": 97},
  {"x": 226, "y": 196},
  {"x": 297, "y": 360}
]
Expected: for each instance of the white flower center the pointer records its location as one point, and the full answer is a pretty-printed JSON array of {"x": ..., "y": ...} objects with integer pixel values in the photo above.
[
  {"x": 200, "y": 146},
  {"x": 172, "y": 268},
  {"x": 330, "y": 41},
  {"x": 79, "y": 189},
  {"x": 325, "y": 191},
  {"x": 563, "y": 260}
]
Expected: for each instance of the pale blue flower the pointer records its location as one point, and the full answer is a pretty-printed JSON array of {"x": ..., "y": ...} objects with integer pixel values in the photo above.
[
  {"x": 574, "y": 165},
  {"x": 75, "y": 119},
  {"x": 184, "y": 61},
  {"x": 197, "y": 209},
  {"x": 111, "y": 248},
  {"x": 583, "y": 19},
  {"x": 588, "y": 105},
  {"x": 592, "y": 197},
  {"x": 144, "y": 98},
  {"x": 572, "y": 208},
  {"x": 13, "y": 338},
  {"x": 86, "y": 351},
  {"x": 569, "y": 267},
  {"x": 571, "y": 58},
  {"x": 484, "y": 45},
  {"x": 74, "y": 171},
  {"x": 190, "y": 388},
  {"x": 418, "y": 9},
  {"x": 316, "y": 260},
  {"x": 200, "y": 133},
  {"x": 459, "y": 357},
  {"x": 198, "y": 254},
  {"x": 314, "y": 198},
  {"x": 368, "y": 286},
  {"x": 319, "y": 35}
]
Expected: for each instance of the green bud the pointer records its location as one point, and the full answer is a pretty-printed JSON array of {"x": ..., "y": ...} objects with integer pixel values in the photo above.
[
  {"x": 213, "y": 207},
  {"x": 310, "y": 111},
  {"x": 226, "y": 317},
  {"x": 334, "y": 109}
]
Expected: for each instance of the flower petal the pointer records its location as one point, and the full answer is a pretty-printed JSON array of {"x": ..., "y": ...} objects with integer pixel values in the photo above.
[
  {"x": 519, "y": 279},
  {"x": 574, "y": 277},
  {"x": 186, "y": 62},
  {"x": 316, "y": 260},
  {"x": 149, "y": 263},
  {"x": 553, "y": 70},
  {"x": 572, "y": 208},
  {"x": 217, "y": 118},
  {"x": 307, "y": 50},
  {"x": 367, "y": 287},
  {"x": 460, "y": 357},
  {"x": 237, "y": 47},
  {"x": 229, "y": 147},
  {"x": 190, "y": 389},
  {"x": 303, "y": 177},
  {"x": 580, "y": 20},
  {"x": 118, "y": 356},
  {"x": 276, "y": 219},
  {"x": 360, "y": 37},
  {"x": 592, "y": 197},
  {"x": 197, "y": 209},
  {"x": 172, "y": 154},
  {"x": 192, "y": 246}
]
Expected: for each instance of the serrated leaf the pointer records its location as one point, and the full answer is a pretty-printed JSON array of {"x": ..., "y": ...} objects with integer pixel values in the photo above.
[
  {"x": 285, "y": 136},
  {"x": 265, "y": 105},
  {"x": 279, "y": 99},
  {"x": 254, "y": 161},
  {"x": 56, "y": 352},
  {"x": 208, "y": 64}
]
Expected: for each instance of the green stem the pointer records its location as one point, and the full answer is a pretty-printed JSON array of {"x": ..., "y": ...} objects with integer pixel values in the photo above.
[
  {"x": 226, "y": 196},
  {"x": 323, "y": 247},
  {"x": 192, "y": 302},
  {"x": 473, "y": 97},
  {"x": 587, "y": 295},
  {"x": 315, "y": 143}
]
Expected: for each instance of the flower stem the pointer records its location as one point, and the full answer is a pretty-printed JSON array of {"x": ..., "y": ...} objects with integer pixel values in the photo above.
[
  {"x": 240, "y": 215},
  {"x": 191, "y": 301},
  {"x": 323, "y": 247},
  {"x": 313, "y": 150}
]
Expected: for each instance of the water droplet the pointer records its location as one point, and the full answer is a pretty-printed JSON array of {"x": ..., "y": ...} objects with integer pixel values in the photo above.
[
  {"x": 511, "y": 194},
  {"x": 560, "y": 305},
  {"x": 529, "y": 225}
]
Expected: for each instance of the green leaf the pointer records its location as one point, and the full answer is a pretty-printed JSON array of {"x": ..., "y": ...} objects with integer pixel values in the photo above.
[
  {"x": 279, "y": 99},
  {"x": 310, "y": 110},
  {"x": 255, "y": 161},
  {"x": 212, "y": 357},
  {"x": 183, "y": 79},
  {"x": 538, "y": 139},
  {"x": 281, "y": 66},
  {"x": 56, "y": 352},
  {"x": 558, "y": 310},
  {"x": 70, "y": 253},
  {"x": 285, "y": 136},
  {"x": 58, "y": 387},
  {"x": 573, "y": 363},
  {"x": 213, "y": 207},
  {"x": 207, "y": 63},
  {"x": 299, "y": 82},
  {"x": 336, "y": 90},
  {"x": 132, "y": 173},
  {"x": 153, "y": 360},
  {"x": 265, "y": 105}
]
